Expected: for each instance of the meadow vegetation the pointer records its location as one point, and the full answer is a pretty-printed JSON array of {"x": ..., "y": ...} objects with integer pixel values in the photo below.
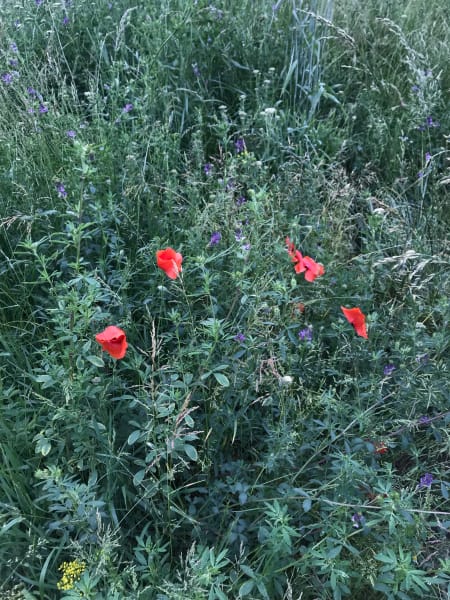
[{"x": 249, "y": 441}]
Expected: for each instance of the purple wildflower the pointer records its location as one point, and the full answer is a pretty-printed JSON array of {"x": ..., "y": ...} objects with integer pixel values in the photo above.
[
  {"x": 305, "y": 334},
  {"x": 240, "y": 337},
  {"x": 196, "y": 70},
  {"x": 415, "y": 89},
  {"x": 388, "y": 370},
  {"x": 61, "y": 190},
  {"x": 427, "y": 157},
  {"x": 43, "y": 109},
  {"x": 127, "y": 107},
  {"x": 13, "y": 47},
  {"x": 420, "y": 175},
  {"x": 71, "y": 134},
  {"x": 426, "y": 480},
  {"x": 238, "y": 235},
  {"x": 240, "y": 146},
  {"x": 66, "y": 20},
  {"x": 207, "y": 168},
  {"x": 424, "y": 420},
  {"x": 39, "y": 2},
  {"x": 241, "y": 200},
  {"x": 13, "y": 62},
  {"x": 32, "y": 92},
  {"x": 7, "y": 78},
  {"x": 246, "y": 247},
  {"x": 216, "y": 236},
  {"x": 230, "y": 185},
  {"x": 423, "y": 359},
  {"x": 358, "y": 520}
]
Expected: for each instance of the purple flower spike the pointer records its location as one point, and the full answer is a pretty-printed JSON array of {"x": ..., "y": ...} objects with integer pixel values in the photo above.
[
  {"x": 427, "y": 157},
  {"x": 305, "y": 334},
  {"x": 215, "y": 238},
  {"x": 388, "y": 370},
  {"x": 127, "y": 108},
  {"x": 358, "y": 520},
  {"x": 240, "y": 146},
  {"x": 207, "y": 168},
  {"x": 241, "y": 200},
  {"x": 7, "y": 78},
  {"x": 424, "y": 420},
  {"x": 61, "y": 190},
  {"x": 71, "y": 134},
  {"x": 43, "y": 109},
  {"x": 240, "y": 337},
  {"x": 426, "y": 480}
]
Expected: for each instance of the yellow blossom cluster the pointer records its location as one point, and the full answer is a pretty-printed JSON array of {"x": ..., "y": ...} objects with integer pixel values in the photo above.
[{"x": 71, "y": 572}]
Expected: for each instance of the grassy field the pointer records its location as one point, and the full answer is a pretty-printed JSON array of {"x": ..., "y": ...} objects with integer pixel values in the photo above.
[{"x": 224, "y": 300}]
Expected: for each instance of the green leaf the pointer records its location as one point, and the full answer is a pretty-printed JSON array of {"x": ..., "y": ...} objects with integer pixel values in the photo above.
[
  {"x": 307, "y": 504},
  {"x": 95, "y": 360},
  {"x": 134, "y": 436},
  {"x": 191, "y": 452},
  {"x": 222, "y": 379},
  {"x": 246, "y": 588},
  {"x": 138, "y": 477}
]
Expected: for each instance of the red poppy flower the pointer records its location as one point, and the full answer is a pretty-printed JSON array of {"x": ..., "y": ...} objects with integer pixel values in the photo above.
[
  {"x": 304, "y": 264},
  {"x": 170, "y": 262},
  {"x": 113, "y": 341},
  {"x": 356, "y": 318},
  {"x": 380, "y": 448}
]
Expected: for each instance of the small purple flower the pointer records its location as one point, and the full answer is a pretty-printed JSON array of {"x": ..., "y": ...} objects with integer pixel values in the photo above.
[
  {"x": 420, "y": 175},
  {"x": 61, "y": 190},
  {"x": 13, "y": 62},
  {"x": 430, "y": 121},
  {"x": 424, "y": 420},
  {"x": 66, "y": 20},
  {"x": 196, "y": 70},
  {"x": 423, "y": 359},
  {"x": 30, "y": 110},
  {"x": 240, "y": 337},
  {"x": 305, "y": 334},
  {"x": 127, "y": 108},
  {"x": 358, "y": 520},
  {"x": 207, "y": 168},
  {"x": 43, "y": 109},
  {"x": 39, "y": 2},
  {"x": 246, "y": 247},
  {"x": 388, "y": 370},
  {"x": 240, "y": 146},
  {"x": 13, "y": 47},
  {"x": 241, "y": 200},
  {"x": 238, "y": 235},
  {"x": 7, "y": 78},
  {"x": 216, "y": 236},
  {"x": 71, "y": 134},
  {"x": 415, "y": 89},
  {"x": 426, "y": 480},
  {"x": 230, "y": 185},
  {"x": 32, "y": 92},
  {"x": 427, "y": 158}
]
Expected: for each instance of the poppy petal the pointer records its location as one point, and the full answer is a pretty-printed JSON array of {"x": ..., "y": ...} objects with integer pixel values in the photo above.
[{"x": 113, "y": 341}]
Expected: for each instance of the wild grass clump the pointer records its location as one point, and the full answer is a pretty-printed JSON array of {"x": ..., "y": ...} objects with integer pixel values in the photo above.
[{"x": 265, "y": 413}]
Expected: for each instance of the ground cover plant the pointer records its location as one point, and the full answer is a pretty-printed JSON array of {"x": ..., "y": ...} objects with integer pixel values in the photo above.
[{"x": 224, "y": 300}]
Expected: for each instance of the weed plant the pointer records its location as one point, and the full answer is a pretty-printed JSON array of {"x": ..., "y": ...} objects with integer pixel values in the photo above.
[{"x": 250, "y": 444}]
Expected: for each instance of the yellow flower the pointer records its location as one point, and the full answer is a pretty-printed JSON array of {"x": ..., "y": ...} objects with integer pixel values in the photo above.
[{"x": 71, "y": 572}]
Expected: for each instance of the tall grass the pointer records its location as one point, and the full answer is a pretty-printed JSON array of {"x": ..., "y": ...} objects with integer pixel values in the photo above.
[{"x": 249, "y": 444}]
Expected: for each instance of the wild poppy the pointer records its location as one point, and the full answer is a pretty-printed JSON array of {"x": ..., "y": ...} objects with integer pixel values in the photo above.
[
  {"x": 304, "y": 264},
  {"x": 380, "y": 448},
  {"x": 170, "y": 262},
  {"x": 113, "y": 341},
  {"x": 356, "y": 318}
]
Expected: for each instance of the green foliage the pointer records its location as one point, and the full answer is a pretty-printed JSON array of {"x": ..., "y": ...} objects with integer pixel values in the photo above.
[{"x": 249, "y": 445}]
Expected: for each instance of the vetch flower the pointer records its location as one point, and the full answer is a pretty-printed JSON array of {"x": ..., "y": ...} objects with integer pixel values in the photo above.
[
  {"x": 240, "y": 337},
  {"x": 43, "y": 109},
  {"x": 7, "y": 78},
  {"x": 424, "y": 420},
  {"x": 305, "y": 334},
  {"x": 427, "y": 158},
  {"x": 127, "y": 108},
  {"x": 113, "y": 341},
  {"x": 61, "y": 190},
  {"x": 71, "y": 134},
  {"x": 358, "y": 520},
  {"x": 241, "y": 200},
  {"x": 216, "y": 236},
  {"x": 426, "y": 480},
  {"x": 356, "y": 318},
  {"x": 388, "y": 370},
  {"x": 207, "y": 168},
  {"x": 240, "y": 146},
  {"x": 170, "y": 262}
]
